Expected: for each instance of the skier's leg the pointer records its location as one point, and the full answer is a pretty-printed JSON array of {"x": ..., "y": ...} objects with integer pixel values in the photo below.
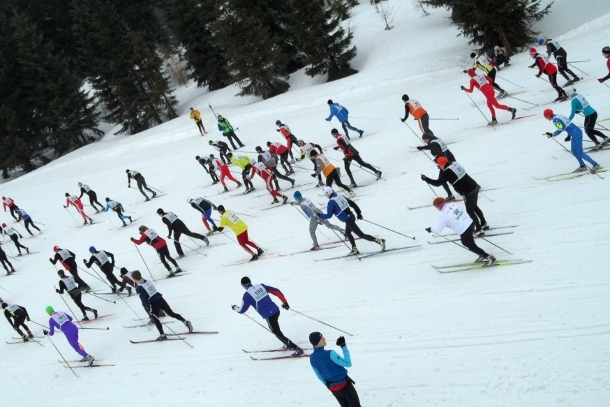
[
  {"x": 146, "y": 186},
  {"x": 165, "y": 307},
  {"x": 280, "y": 175},
  {"x": 578, "y": 151},
  {"x": 222, "y": 178},
  {"x": 72, "y": 337},
  {"x": 79, "y": 303},
  {"x": 348, "y": 231},
  {"x": 177, "y": 245},
  {"x": 349, "y": 126},
  {"x": 354, "y": 228},
  {"x": 155, "y": 308},
  {"x": 194, "y": 235},
  {"x": 344, "y": 126},
  {"x": 348, "y": 161},
  {"x": 274, "y": 327},
  {"x": 229, "y": 136},
  {"x": 313, "y": 225},
  {"x": 208, "y": 217},
  {"x": 272, "y": 191},
  {"x": 424, "y": 124},
  {"x": 242, "y": 239},
  {"x": 339, "y": 183},
  {"x": 26, "y": 224},
  {"x": 590, "y": 127},
  {"x": 139, "y": 182},
  {"x": 358, "y": 159},
  {"x": 559, "y": 89},
  {"x": 163, "y": 252},
  {"x": 470, "y": 203},
  {"x": 247, "y": 240},
  {"x": 236, "y": 138},
  {"x": 467, "y": 240}
]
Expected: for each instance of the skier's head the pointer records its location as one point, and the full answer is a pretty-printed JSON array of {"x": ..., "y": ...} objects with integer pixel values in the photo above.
[
  {"x": 258, "y": 149},
  {"x": 335, "y": 133},
  {"x": 127, "y": 170},
  {"x": 533, "y": 52},
  {"x": 67, "y": 194},
  {"x": 197, "y": 157},
  {"x": 49, "y": 310},
  {"x": 252, "y": 161},
  {"x": 191, "y": 108},
  {"x": 211, "y": 156},
  {"x": 605, "y": 51},
  {"x": 136, "y": 275},
  {"x": 268, "y": 143},
  {"x": 548, "y": 114},
  {"x": 328, "y": 191},
  {"x": 496, "y": 48},
  {"x": 188, "y": 200},
  {"x": 56, "y": 248},
  {"x": 541, "y": 41},
  {"x": 160, "y": 212},
  {"x": 301, "y": 143},
  {"x": 470, "y": 72},
  {"x": 229, "y": 155},
  {"x": 142, "y": 229},
  {"x": 473, "y": 55},
  {"x": 123, "y": 271},
  {"x": 220, "y": 209},
  {"x": 107, "y": 199},
  {"x": 316, "y": 339},
  {"x": 441, "y": 162},
  {"x": 297, "y": 196},
  {"x": 61, "y": 273},
  {"x": 211, "y": 142},
  {"x": 439, "y": 203},
  {"x": 330, "y": 102},
  {"x": 4, "y": 225},
  {"x": 92, "y": 249},
  {"x": 80, "y": 184},
  {"x": 570, "y": 90},
  {"x": 405, "y": 98},
  {"x": 220, "y": 117},
  {"x": 313, "y": 153},
  {"x": 4, "y": 305},
  {"x": 278, "y": 122},
  {"x": 426, "y": 137},
  {"x": 245, "y": 282}
]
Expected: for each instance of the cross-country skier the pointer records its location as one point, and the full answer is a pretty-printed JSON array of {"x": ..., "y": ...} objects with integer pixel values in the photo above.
[
  {"x": 438, "y": 148},
  {"x": 62, "y": 321},
  {"x": 27, "y": 221},
  {"x": 280, "y": 150},
  {"x": 67, "y": 283},
  {"x": 581, "y": 105},
  {"x": 342, "y": 114},
  {"x": 5, "y": 262},
  {"x": 484, "y": 64},
  {"x": 464, "y": 185},
  {"x": 86, "y": 189},
  {"x": 68, "y": 261},
  {"x": 351, "y": 154},
  {"x": 78, "y": 205},
  {"x": 257, "y": 296},
  {"x": 224, "y": 172},
  {"x": 243, "y": 162},
  {"x": 14, "y": 236},
  {"x": 339, "y": 206},
  {"x": 141, "y": 183},
  {"x": 154, "y": 303},
  {"x": 482, "y": 83},
  {"x": 265, "y": 173},
  {"x": 175, "y": 225},
  {"x": 290, "y": 138},
  {"x": 453, "y": 216},
  {"x": 126, "y": 281},
  {"x": 313, "y": 214},
  {"x": 330, "y": 368},
  {"x": 205, "y": 207},
  {"x": 413, "y": 107},
  {"x": 16, "y": 315},
  {"x": 323, "y": 166},
  {"x": 500, "y": 57},
  {"x": 118, "y": 208},
  {"x": 152, "y": 238},
  {"x": 208, "y": 167},
  {"x": 306, "y": 149},
  {"x": 228, "y": 132},
  {"x": 561, "y": 56},
  {"x": 239, "y": 227},
  {"x": 544, "y": 66},
  {"x": 605, "y": 53},
  {"x": 562, "y": 123},
  {"x": 270, "y": 160},
  {"x": 196, "y": 117},
  {"x": 222, "y": 148},
  {"x": 106, "y": 263},
  {"x": 10, "y": 204}
]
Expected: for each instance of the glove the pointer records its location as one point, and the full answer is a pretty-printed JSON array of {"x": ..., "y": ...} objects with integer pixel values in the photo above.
[
  {"x": 169, "y": 237},
  {"x": 234, "y": 307},
  {"x": 568, "y": 138},
  {"x": 601, "y": 80},
  {"x": 313, "y": 175},
  {"x": 293, "y": 203},
  {"x": 327, "y": 120},
  {"x": 462, "y": 87},
  {"x": 341, "y": 341},
  {"x": 336, "y": 148},
  {"x": 286, "y": 306},
  {"x": 420, "y": 148},
  {"x": 132, "y": 239},
  {"x": 538, "y": 76},
  {"x": 424, "y": 178},
  {"x": 51, "y": 260},
  {"x": 57, "y": 291},
  {"x": 465, "y": 71},
  {"x": 277, "y": 130},
  {"x": 429, "y": 230},
  {"x": 45, "y": 332},
  {"x": 403, "y": 120},
  {"x": 85, "y": 261},
  {"x": 359, "y": 216},
  {"x": 549, "y": 135},
  {"x": 28, "y": 318},
  {"x": 65, "y": 207},
  {"x": 128, "y": 185}
]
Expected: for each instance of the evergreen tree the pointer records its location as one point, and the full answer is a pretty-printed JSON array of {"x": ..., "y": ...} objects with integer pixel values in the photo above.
[
  {"x": 124, "y": 72},
  {"x": 487, "y": 23}
]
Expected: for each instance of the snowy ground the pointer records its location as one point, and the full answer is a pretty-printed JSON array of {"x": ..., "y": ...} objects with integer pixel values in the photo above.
[{"x": 529, "y": 335}]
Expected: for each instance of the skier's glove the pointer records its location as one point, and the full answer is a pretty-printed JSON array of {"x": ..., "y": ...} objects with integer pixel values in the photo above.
[
  {"x": 336, "y": 148},
  {"x": 429, "y": 230},
  {"x": 420, "y": 148},
  {"x": 277, "y": 130},
  {"x": 28, "y": 318},
  {"x": 286, "y": 306},
  {"x": 132, "y": 239},
  {"x": 341, "y": 341},
  {"x": 549, "y": 135},
  {"x": 359, "y": 216},
  {"x": 45, "y": 332},
  {"x": 601, "y": 80},
  {"x": 51, "y": 260},
  {"x": 235, "y": 308},
  {"x": 57, "y": 291},
  {"x": 85, "y": 261},
  {"x": 569, "y": 138},
  {"x": 424, "y": 178},
  {"x": 538, "y": 76},
  {"x": 313, "y": 175},
  {"x": 462, "y": 87},
  {"x": 403, "y": 120},
  {"x": 327, "y": 120}
]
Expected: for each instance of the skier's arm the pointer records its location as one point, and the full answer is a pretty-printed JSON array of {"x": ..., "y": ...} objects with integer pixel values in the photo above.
[
  {"x": 539, "y": 62},
  {"x": 575, "y": 108},
  {"x": 62, "y": 287},
  {"x": 52, "y": 325},
  {"x": 82, "y": 191},
  {"x": 406, "y": 112},
  {"x": 550, "y": 48},
  {"x": 8, "y": 317},
  {"x": 342, "y": 143},
  {"x": 111, "y": 256},
  {"x": 247, "y": 300},
  {"x": 318, "y": 147},
  {"x": 559, "y": 125},
  {"x": 442, "y": 178},
  {"x": 333, "y": 112},
  {"x": 54, "y": 259},
  {"x": 330, "y": 210},
  {"x": 143, "y": 297},
  {"x": 90, "y": 262},
  {"x": 356, "y": 208},
  {"x": 128, "y": 179},
  {"x": 320, "y": 377},
  {"x": 345, "y": 361},
  {"x": 169, "y": 227},
  {"x": 140, "y": 240},
  {"x": 318, "y": 166},
  {"x": 276, "y": 292},
  {"x": 472, "y": 86},
  {"x": 440, "y": 225}
]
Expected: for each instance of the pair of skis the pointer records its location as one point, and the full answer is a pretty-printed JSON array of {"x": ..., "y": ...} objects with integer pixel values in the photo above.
[
  {"x": 175, "y": 337},
  {"x": 454, "y": 268},
  {"x": 305, "y": 355},
  {"x": 70, "y": 366},
  {"x": 368, "y": 254},
  {"x": 568, "y": 175}
]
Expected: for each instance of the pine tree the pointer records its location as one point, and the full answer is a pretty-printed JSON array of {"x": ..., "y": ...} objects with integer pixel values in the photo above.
[
  {"x": 125, "y": 74},
  {"x": 487, "y": 23}
]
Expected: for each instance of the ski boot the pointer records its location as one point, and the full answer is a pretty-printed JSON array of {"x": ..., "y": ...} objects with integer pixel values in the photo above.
[
  {"x": 297, "y": 352},
  {"x": 354, "y": 251},
  {"x": 154, "y": 194},
  {"x": 378, "y": 175},
  {"x": 162, "y": 337},
  {"x": 361, "y": 132},
  {"x": 254, "y": 257},
  {"x": 353, "y": 185},
  {"x": 130, "y": 220},
  {"x": 275, "y": 201},
  {"x": 259, "y": 251},
  {"x": 580, "y": 169},
  {"x": 238, "y": 184},
  {"x": 315, "y": 247},
  {"x": 30, "y": 335},
  {"x": 514, "y": 112},
  {"x": 206, "y": 241},
  {"x": 284, "y": 199},
  {"x": 492, "y": 122},
  {"x": 381, "y": 242},
  {"x": 485, "y": 226},
  {"x": 481, "y": 259},
  {"x": 178, "y": 270},
  {"x": 85, "y": 318},
  {"x": 489, "y": 260},
  {"x": 90, "y": 360},
  {"x": 226, "y": 189},
  {"x": 596, "y": 167},
  {"x": 94, "y": 313},
  {"x": 180, "y": 256},
  {"x": 189, "y": 326}
]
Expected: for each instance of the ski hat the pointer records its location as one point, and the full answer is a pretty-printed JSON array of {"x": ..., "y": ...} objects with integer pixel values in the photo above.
[
  {"x": 405, "y": 97},
  {"x": 438, "y": 202},
  {"x": 258, "y": 148},
  {"x": 314, "y": 338},
  {"x": 297, "y": 196},
  {"x": 533, "y": 51},
  {"x": 67, "y": 194},
  {"x": 548, "y": 113},
  {"x": 278, "y": 122},
  {"x": 56, "y": 248},
  {"x": 191, "y": 108},
  {"x": 334, "y": 131},
  {"x": 541, "y": 41},
  {"x": 496, "y": 48},
  {"x": 268, "y": 143},
  {"x": 92, "y": 249},
  {"x": 127, "y": 170},
  {"x": 107, "y": 199},
  {"x": 427, "y": 136},
  {"x": 4, "y": 305},
  {"x": 188, "y": 200},
  {"x": 442, "y": 161},
  {"x": 49, "y": 310},
  {"x": 142, "y": 228},
  {"x": 211, "y": 142},
  {"x": 328, "y": 191},
  {"x": 301, "y": 143},
  {"x": 61, "y": 273},
  {"x": 4, "y": 225},
  {"x": 570, "y": 90},
  {"x": 252, "y": 161},
  {"x": 330, "y": 101},
  {"x": 80, "y": 183},
  {"x": 473, "y": 55},
  {"x": 196, "y": 157},
  {"x": 211, "y": 155},
  {"x": 160, "y": 212},
  {"x": 245, "y": 281},
  {"x": 605, "y": 50},
  {"x": 470, "y": 72},
  {"x": 229, "y": 155},
  {"x": 220, "y": 208},
  {"x": 123, "y": 271}
]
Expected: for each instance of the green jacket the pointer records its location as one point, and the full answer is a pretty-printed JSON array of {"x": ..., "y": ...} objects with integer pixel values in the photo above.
[
  {"x": 241, "y": 161},
  {"x": 224, "y": 126}
]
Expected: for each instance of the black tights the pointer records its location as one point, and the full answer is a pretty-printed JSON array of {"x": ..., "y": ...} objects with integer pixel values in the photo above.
[
  {"x": 178, "y": 232},
  {"x": 348, "y": 162},
  {"x": 473, "y": 210},
  {"x": 590, "y": 128},
  {"x": 274, "y": 326},
  {"x": 347, "y": 396},
  {"x": 77, "y": 298},
  {"x": 467, "y": 239},
  {"x": 334, "y": 177},
  {"x": 159, "y": 306},
  {"x": 164, "y": 254},
  {"x": 350, "y": 226}
]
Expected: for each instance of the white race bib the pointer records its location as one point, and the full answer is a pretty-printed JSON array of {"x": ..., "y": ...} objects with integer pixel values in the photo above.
[
  {"x": 149, "y": 288},
  {"x": 86, "y": 188},
  {"x": 151, "y": 234},
  {"x": 458, "y": 170},
  {"x": 342, "y": 202},
  {"x": 101, "y": 256},
  {"x": 69, "y": 282},
  {"x": 257, "y": 292},
  {"x": 197, "y": 201},
  {"x": 60, "y": 317},
  {"x": 481, "y": 80},
  {"x": 64, "y": 254},
  {"x": 171, "y": 217},
  {"x": 582, "y": 101},
  {"x": 12, "y": 308},
  {"x": 441, "y": 144}
]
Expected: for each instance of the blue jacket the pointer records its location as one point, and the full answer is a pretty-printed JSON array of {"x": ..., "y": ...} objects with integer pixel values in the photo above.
[
  {"x": 329, "y": 366},
  {"x": 146, "y": 300},
  {"x": 337, "y": 110},
  {"x": 333, "y": 208},
  {"x": 563, "y": 124},
  {"x": 577, "y": 106},
  {"x": 265, "y": 306},
  {"x": 22, "y": 214}
]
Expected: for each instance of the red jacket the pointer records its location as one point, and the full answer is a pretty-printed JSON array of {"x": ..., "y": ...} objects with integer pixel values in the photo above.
[
  {"x": 544, "y": 66},
  {"x": 7, "y": 202},
  {"x": 277, "y": 148},
  {"x": 157, "y": 243}
]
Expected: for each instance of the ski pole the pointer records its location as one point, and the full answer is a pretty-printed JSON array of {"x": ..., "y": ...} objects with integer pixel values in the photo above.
[
  {"x": 166, "y": 326},
  {"x": 449, "y": 240},
  {"x": 245, "y": 214},
  {"x": 213, "y": 111},
  {"x": 443, "y": 119},
  {"x": 506, "y": 80},
  {"x": 305, "y": 216},
  {"x": 495, "y": 245},
  {"x": 579, "y": 69},
  {"x": 34, "y": 322},
  {"x": 256, "y": 322},
  {"x": 576, "y": 62},
  {"x": 6, "y": 290},
  {"x": 94, "y": 276},
  {"x": 62, "y": 356},
  {"x": 415, "y": 134},
  {"x": 126, "y": 303},
  {"x": 398, "y": 233},
  {"x": 606, "y": 85},
  {"x": 521, "y": 100},
  {"x": 317, "y": 320},
  {"x": 343, "y": 241},
  {"x": 39, "y": 223},
  {"x": 159, "y": 191},
  {"x": 489, "y": 199},
  {"x": 98, "y": 329},
  {"x": 365, "y": 170},
  {"x": 575, "y": 157},
  {"x": 187, "y": 246},
  {"x": 149, "y": 272},
  {"x": 365, "y": 118},
  {"x": 71, "y": 216},
  {"x": 478, "y": 109},
  {"x": 72, "y": 312},
  {"x": 104, "y": 299}
]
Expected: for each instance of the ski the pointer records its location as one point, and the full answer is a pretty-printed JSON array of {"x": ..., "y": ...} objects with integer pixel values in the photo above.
[
  {"x": 154, "y": 340},
  {"x": 312, "y": 251},
  {"x": 470, "y": 264},
  {"x": 30, "y": 340},
  {"x": 483, "y": 266},
  {"x": 509, "y": 95},
  {"x": 430, "y": 205},
  {"x": 494, "y": 228},
  {"x": 568, "y": 175},
  {"x": 262, "y": 257},
  {"x": 147, "y": 324},
  {"x": 22, "y": 254},
  {"x": 501, "y": 123},
  {"x": 95, "y": 319},
  {"x": 117, "y": 293},
  {"x": 273, "y": 206},
  {"x": 91, "y": 224},
  {"x": 81, "y": 366},
  {"x": 173, "y": 276},
  {"x": 127, "y": 225},
  {"x": 272, "y": 350},
  {"x": 193, "y": 333},
  {"x": 476, "y": 237},
  {"x": 280, "y": 357},
  {"x": 367, "y": 254}
]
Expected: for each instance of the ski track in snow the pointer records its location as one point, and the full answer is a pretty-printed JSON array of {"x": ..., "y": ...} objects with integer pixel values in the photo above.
[{"x": 534, "y": 334}]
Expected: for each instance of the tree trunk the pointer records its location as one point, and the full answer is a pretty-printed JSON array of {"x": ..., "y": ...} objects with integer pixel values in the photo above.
[{"x": 509, "y": 49}]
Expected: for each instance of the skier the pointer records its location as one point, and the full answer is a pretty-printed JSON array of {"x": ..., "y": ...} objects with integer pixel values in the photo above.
[
  {"x": 351, "y": 154},
  {"x": 484, "y": 64},
  {"x": 561, "y": 56},
  {"x": 290, "y": 138},
  {"x": 196, "y": 117},
  {"x": 118, "y": 208},
  {"x": 281, "y": 151},
  {"x": 16, "y": 315},
  {"x": 154, "y": 303},
  {"x": 67, "y": 283},
  {"x": 10, "y": 204},
  {"x": 5, "y": 262},
  {"x": 68, "y": 261},
  {"x": 306, "y": 149},
  {"x": 243, "y": 162},
  {"x": 581, "y": 105},
  {"x": 605, "y": 53},
  {"x": 418, "y": 112},
  {"x": 342, "y": 115},
  {"x": 224, "y": 172},
  {"x": 63, "y": 322},
  {"x": 453, "y": 216},
  {"x": 103, "y": 260},
  {"x": 14, "y": 235},
  {"x": 85, "y": 189},
  {"x": 151, "y": 237},
  {"x": 544, "y": 66},
  {"x": 175, "y": 225},
  {"x": 270, "y": 160},
  {"x": 223, "y": 148},
  {"x": 330, "y": 172},
  {"x": 330, "y": 368},
  {"x": 239, "y": 227},
  {"x": 562, "y": 123},
  {"x": 339, "y": 206},
  {"x": 78, "y": 205},
  {"x": 257, "y": 296},
  {"x": 141, "y": 183},
  {"x": 464, "y": 185},
  {"x": 500, "y": 57},
  {"x": 209, "y": 168},
  {"x": 482, "y": 83},
  {"x": 27, "y": 221},
  {"x": 205, "y": 207},
  {"x": 312, "y": 212},
  {"x": 126, "y": 281},
  {"x": 263, "y": 171},
  {"x": 228, "y": 132},
  {"x": 438, "y": 148}
]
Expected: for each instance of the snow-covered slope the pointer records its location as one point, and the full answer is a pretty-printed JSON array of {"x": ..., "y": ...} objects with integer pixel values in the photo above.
[{"x": 530, "y": 335}]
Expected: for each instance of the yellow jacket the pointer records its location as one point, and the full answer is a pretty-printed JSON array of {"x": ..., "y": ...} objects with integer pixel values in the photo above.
[
  {"x": 195, "y": 115},
  {"x": 233, "y": 222}
]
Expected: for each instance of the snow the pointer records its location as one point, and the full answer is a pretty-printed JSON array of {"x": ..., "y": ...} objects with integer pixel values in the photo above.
[{"x": 534, "y": 334}]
